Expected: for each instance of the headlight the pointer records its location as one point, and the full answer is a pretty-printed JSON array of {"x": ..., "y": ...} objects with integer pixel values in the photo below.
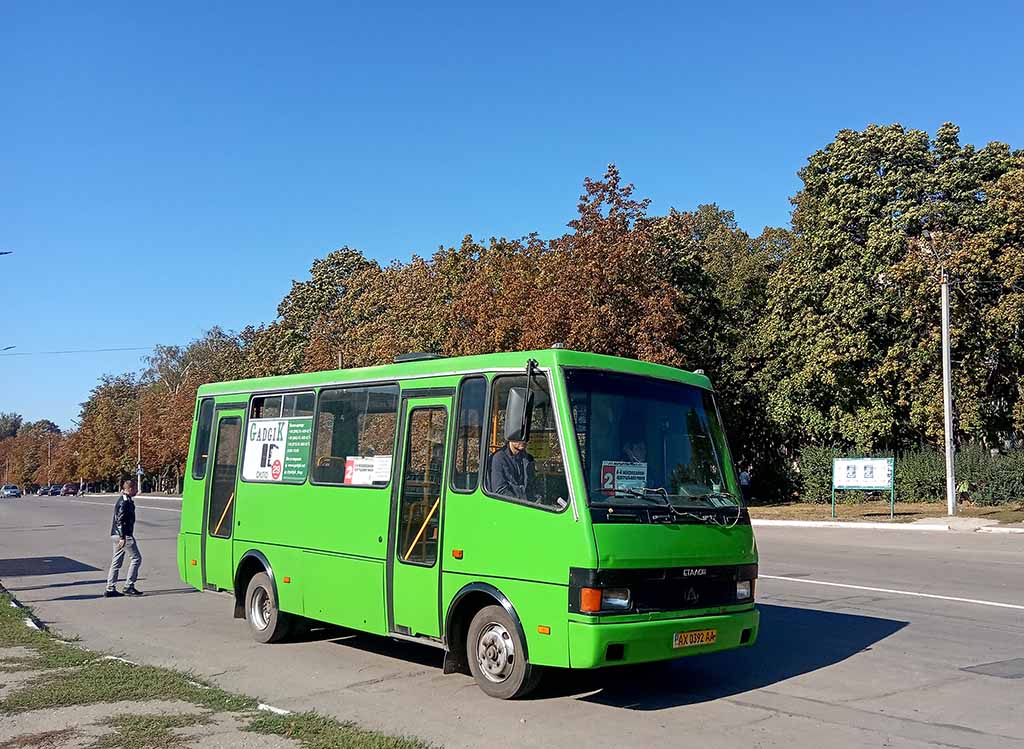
[
  {"x": 615, "y": 598},
  {"x": 743, "y": 590}
]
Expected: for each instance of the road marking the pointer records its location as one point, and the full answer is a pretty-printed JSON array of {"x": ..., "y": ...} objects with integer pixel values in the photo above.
[
  {"x": 113, "y": 497},
  {"x": 109, "y": 506},
  {"x": 913, "y": 593},
  {"x": 271, "y": 709}
]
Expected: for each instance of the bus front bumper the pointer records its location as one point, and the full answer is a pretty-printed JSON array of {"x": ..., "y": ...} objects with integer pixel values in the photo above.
[{"x": 613, "y": 644}]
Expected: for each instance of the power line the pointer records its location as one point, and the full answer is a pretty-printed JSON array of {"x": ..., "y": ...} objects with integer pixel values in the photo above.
[{"x": 80, "y": 351}]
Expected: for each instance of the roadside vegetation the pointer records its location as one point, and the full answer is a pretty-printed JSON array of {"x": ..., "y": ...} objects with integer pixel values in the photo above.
[
  {"x": 871, "y": 510},
  {"x": 42, "y": 677},
  {"x": 820, "y": 337}
]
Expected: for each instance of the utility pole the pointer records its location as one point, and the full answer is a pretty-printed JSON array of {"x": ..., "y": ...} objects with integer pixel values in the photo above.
[
  {"x": 48, "y": 438},
  {"x": 138, "y": 466},
  {"x": 947, "y": 400}
]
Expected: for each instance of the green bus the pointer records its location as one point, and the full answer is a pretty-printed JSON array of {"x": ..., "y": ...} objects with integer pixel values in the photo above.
[{"x": 518, "y": 510}]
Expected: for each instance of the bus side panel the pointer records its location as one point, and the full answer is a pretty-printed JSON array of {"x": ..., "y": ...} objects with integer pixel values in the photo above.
[
  {"x": 537, "y": 604},
  {"x": 516, "y": 541},
  {"x": 344, "y": 591},
  {"x": 345, "y": 519},
  {"x": 189, "y": 551}
]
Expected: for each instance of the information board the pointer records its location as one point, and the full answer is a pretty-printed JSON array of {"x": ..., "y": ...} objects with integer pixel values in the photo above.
[{"x": 864, "y": 474}]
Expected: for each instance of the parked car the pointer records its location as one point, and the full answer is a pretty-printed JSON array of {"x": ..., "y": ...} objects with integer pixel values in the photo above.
[
  {"x": 43, "y": 490},
  {"x": 69, "y": 490},
  {"x": 10, "y": 491},
  {"x": 54, "y": 490}
]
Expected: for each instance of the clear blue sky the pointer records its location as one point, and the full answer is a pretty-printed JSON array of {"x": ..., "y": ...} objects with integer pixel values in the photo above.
[{"x": 165, "y": 168}]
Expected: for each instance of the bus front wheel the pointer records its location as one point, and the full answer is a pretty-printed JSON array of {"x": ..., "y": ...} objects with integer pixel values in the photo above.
[
  {"x": 267, "y": 622},
  {"x": 496, "y": 655}
]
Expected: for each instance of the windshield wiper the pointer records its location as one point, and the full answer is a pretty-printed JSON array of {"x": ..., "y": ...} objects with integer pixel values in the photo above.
[
  {"x": 661, "y": 497},
  {"x": 718, "y": 495},
  {"x": 657, "y": 496}
]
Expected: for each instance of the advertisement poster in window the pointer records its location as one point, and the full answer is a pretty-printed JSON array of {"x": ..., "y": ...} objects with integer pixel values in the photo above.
[
  {"x": 277, "y": 450},
  {"x": 374, "y": 470},
  {"x": 618, "y": 475}
]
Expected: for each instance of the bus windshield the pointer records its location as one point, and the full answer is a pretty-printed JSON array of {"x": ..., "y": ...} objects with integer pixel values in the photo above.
[{"x": 646, "y": 440}]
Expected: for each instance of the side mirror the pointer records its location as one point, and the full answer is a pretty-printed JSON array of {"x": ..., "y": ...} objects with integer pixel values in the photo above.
[{"x": 518, "y": 414}]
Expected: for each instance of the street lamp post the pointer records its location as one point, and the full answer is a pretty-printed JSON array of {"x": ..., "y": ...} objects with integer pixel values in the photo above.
[
  {"x": 138, "y": 465},
  {"x": 947, "y": 373},
  {"x": 947, "y": 400}
]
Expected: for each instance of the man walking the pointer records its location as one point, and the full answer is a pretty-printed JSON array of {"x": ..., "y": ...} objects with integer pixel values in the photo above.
[{"x": 122, "y": 534}]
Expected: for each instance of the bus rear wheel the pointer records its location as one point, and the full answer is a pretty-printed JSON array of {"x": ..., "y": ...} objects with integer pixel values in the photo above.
[
  {"x": 267, "y": 622},
  {"x": 496, "y": 655}
]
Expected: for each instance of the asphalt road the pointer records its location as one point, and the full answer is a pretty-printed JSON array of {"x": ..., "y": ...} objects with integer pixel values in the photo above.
[{"x": 834, "y": 666}]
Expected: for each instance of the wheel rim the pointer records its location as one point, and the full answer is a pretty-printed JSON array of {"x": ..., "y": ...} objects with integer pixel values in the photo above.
[
  {"x": 260, "y": 609},
  {"x": 495, "y": 652}
]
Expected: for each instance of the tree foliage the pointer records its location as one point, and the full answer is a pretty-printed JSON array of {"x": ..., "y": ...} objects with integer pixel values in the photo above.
[
  {"x": 850, "y": 340},
  {"x": 824, "y": 334}
]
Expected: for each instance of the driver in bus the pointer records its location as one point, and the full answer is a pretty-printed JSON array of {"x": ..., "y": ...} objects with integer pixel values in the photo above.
[{"x": 511, "y": 470}]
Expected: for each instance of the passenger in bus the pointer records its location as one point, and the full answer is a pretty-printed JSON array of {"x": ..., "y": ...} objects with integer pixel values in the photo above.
[{"x": 511, "y": 471}]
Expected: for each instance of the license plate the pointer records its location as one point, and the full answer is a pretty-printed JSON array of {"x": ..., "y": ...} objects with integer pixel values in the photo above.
[{"x": 697, "y": 637}]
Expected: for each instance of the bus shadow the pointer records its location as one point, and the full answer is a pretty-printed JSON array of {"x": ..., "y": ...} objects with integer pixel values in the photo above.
[
  {"x": 410, "y": 652},
  {"x": 791, "y": 642}
]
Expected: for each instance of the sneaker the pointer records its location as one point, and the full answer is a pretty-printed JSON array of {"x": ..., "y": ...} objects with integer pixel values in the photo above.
[
  {"x": 131, "y": 590},
  {"x": 112, "y": 593}
]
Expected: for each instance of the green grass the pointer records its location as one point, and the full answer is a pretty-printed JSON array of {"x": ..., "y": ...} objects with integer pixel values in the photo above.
[
  {"x": 49, "y": 651},
  {"x": 148, "y": 731},
  {"x": 42, "y": 740},
  {"x": 314, "y": 731},
  {"x": 76, "y": 676},
  {"x": 112, "y": 681}
]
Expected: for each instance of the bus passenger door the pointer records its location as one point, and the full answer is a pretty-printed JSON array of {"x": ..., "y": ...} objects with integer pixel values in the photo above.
[
  {"x": 417, "y": 512},
  {"x": 218, "y": 567}
]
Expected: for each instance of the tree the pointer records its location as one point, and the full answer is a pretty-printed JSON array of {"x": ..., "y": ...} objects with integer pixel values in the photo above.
[
  {"x": 849, "y": 341},
  {"x": 109, "y": 426},
  {"x": 10, "y": 423},
  {"x": 280, "y": 347},
  {"x": 167, "y": 393}
]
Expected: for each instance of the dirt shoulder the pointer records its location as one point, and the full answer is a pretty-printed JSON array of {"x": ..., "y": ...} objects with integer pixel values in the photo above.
[
  {"x": 57, "y": 695},
  {"x": 879, "y": 512}
]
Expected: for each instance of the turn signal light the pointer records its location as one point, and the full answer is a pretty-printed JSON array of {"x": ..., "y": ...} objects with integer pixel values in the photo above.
[
  {"x": 543, "y": 629},
  {"x": 457, "y": 553},
  {"x": 194, "y": 562},
  {"x": 287, "y": 579},
  {"x": 590, "y": 600}
]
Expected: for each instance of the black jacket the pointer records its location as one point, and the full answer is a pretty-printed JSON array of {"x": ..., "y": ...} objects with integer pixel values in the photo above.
[
  {"x": 510, "y": 475},
  {"x": 124, "y": 517}
]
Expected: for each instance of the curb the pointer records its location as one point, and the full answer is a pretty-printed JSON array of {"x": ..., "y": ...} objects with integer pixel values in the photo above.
[
  {"x": 853, "y": 525},
  {"x": 31, "y": 620},
  {"x": 886, "y": 526}
]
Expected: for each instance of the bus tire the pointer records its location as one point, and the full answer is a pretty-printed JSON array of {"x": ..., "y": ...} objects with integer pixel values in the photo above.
[
  {"x": 266, "y": 621},
  {"x": 496, "y": 655}
]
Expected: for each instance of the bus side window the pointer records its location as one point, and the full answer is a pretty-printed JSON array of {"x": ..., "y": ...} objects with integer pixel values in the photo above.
[
  {"x": 469, "y": 434},
  {"x": 266, "y": 407},
  {"x": 297, "y": 405},
  {"x": 203, "y": 429},
  {"x": 548, "y": 486},
  {"x": 355, "y": 435}
]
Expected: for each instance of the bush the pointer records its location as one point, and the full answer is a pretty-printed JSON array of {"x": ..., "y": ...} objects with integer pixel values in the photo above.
[{"x": 920, "y": 476}]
